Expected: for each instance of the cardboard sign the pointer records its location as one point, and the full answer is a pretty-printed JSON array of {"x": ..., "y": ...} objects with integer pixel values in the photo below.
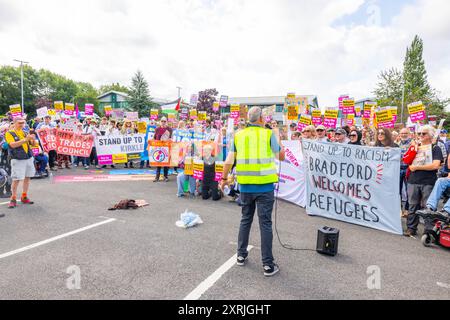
[
  {"x": 304, "y": 121},
  {"x": 384, "y": 119},
  {"x": 118, "y": 114},
  {"x": 216, "y": 106},
  {"x": 368, "y": 107},
  {"x": 292, "y": 113},
  {"x": 235, "y": 111},
  {"x": 51, "y": 112},
  {"x": 193, "y": 114},
  {"x": 142, "y": 127},
  {"x": 59, "y": 105},
  {"x": 330, "y": 118},
  {"x": 133, "y": 116},
  {"x": 89, "y": 109},
  {"x": 348, "y": 106},
  {"x": 199, "y": 168},
  {"x": 351, "y": 119},
  {"x": 108, "y": 110},
  {"x": 159, "y": 153},
  {"x": 223, "y": 101},
  {"x": 189, "y": 166},
  {"x": 154, "y": 113},
  {"x": 202, "y": 116},
  {"x": 219, "y": 170},
  {"x": 194, "y": 100},
  {"x": 171, "y": 117},
  {"x": 416, "y": 111},
  {"x": 316, "y": 117},
  {"x": 120, "y": 158},
  {"x": 16, "y": 110},
  {"x": 42, "y": 112},
  {"x": 69, "y": 109}
]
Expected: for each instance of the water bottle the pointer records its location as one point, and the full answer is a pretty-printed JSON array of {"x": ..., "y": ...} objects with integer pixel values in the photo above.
[
  {"x": 50, "y": 175},
  {"x": 226, "y": 190}
]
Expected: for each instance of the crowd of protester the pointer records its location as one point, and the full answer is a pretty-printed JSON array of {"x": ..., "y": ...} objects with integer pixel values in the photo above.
[{"x": 417, "y": 183}]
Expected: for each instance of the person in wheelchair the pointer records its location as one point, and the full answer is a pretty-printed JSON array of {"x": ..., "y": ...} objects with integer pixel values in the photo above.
[{"x": 40, "y": 159}]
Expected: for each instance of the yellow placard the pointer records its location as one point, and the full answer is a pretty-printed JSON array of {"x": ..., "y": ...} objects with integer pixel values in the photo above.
[
  {"x": 120, "y": 158},
  {"x": 292, "y": 112},
  {"x": 305, "y": 119},
  {"x": 384, "y": 116},
  {"x": 316, "y": 113},
  {"x": 291, "y": 96},
  {"x": 59, "y": 105},
  {"x": 51, "y": 112},
  {"x": 188, "y": 166},
  {"x": 142, "y": 127},
  {"x": 15, "y": 108},
  {"x": 331, "y": 114},
  {"x": 348, "y": 102},
  {"x": 199, "y": 166},
  {"x": 193, "y": 114},
  {"x": 394, "y": 111},
  {"x": 202, "y": 115},
  {"x": 416, "y": 107},
  {"x": 135, "y": 156},
  {"x": 219, "y": 167},
  {"x": 70, "y": 107},
  {"x": 235, "y": 108}
]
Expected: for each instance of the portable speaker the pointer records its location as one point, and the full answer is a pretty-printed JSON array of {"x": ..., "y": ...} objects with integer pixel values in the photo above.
[{"x": 327, "y": 241}]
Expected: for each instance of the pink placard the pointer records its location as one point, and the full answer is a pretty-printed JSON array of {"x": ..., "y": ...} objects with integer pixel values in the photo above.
[
  {"x": 330, "y": 123},
  {"x": 419, "y": 116},
  {"x": 105, "y": 160},
  {"x": 218, "y": 176},
  {"x": 317, "y": 121},
  {"x": 198, "y": 175},
  {"x": 89, "y": 109},
  {"x": 301, "y": 126},
  {"x": 348, "y": 110},
  {"x": 387, "y": 125}
]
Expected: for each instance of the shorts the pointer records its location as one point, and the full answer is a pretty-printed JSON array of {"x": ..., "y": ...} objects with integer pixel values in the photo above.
[{"x": 21, "y": 169}]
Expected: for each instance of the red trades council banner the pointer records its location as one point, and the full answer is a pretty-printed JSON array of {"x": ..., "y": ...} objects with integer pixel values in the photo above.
[
  {"x": 72, "y": 144},
  {"x": 48, "y": 139},
  {"x": 66, "y": 142}
]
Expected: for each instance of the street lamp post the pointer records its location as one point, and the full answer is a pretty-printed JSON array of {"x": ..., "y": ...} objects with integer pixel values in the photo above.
[
  {"x": 179, "y": 92},
  {"x": 21, "y": 81},
  {"x": 403, "y": 98}
]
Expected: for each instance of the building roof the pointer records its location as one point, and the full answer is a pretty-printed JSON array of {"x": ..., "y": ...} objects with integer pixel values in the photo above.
[
  {"x": 110, "y": 92},
  {"x": 267, "y": 101}
]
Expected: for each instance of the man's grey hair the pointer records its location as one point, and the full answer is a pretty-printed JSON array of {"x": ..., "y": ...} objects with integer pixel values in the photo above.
[
  {"x": 431, "y": 131},
  {"x": 254, "y": 114}
]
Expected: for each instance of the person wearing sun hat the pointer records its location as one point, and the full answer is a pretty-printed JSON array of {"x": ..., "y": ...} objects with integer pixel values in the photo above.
[{"x": 322, "y": 134}]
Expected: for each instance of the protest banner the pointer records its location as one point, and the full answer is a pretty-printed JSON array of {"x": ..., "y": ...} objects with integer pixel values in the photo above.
[
  {"x": 432, "y": 120},
  {"x": 69, "y": 124},
  {"x": 159, "y": 153},
  {"x": 292, "y": 112},
  {"x": 316, "y": 117},
  {"x": 89, "y": 109},
  {"x": 47, "y": 137},
  {"x": 69, "y": 109},
  {"x": 104, "y": 160},
  {"x": 291, "y": 186},
  {"x": 368, "y": 107},
  {"x": 71, "y": 144},
  {"x": 394, "y": 112},
  {"x": 120, "y": 144},
  {"x": 184, "y": 115},
  {"x": 235, "y": 110},
  {"x": 171, "y": 117},
  {"x": 133, "y": 116},
  {"x": 330, "y": 118},
  {"x": 51, "y": 112},
  {"x": 108, "y": 110},
  {"x": 15, "y": 110},
  {"x": 358, "y": 111},
  {"x": 118, "y": 114},
  {"x": 199, "y": 168},
  {"x": 348, "y": 106},
  {"x": 416, "y": 111},
  {"x": 42, "y": 112},
  {"x": 59, "y": 105},
  {"x": 304, "y": 121},
  {"x": 154, "y": 113},
  {"x": 223, "y": 101},
  {"x": 218, "y": 170},
  {"x": 193, "y": 114},
  {"x": 355, "y": 184}
]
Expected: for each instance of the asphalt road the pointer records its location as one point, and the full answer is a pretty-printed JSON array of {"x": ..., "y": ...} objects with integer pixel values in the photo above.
[{"x": 143, "y": 255}]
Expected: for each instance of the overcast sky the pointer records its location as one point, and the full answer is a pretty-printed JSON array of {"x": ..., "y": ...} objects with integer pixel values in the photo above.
[{"x": 240, "y": 47}]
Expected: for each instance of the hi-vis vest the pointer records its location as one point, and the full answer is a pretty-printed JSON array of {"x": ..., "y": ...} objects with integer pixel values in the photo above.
[{"x": 255, "y": 162}]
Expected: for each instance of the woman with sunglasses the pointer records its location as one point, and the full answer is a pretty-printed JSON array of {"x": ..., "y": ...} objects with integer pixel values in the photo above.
[
  {"x": 355, "y": 138},
  {"x": 309, "y": 133},
  {"x": 384, "y": 139}
]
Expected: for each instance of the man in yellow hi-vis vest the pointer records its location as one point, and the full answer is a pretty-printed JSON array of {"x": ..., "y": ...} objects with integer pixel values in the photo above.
[{"x": 254, "y": 151}]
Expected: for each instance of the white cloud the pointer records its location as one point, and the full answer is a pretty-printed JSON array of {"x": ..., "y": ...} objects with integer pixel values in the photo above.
[{"x": 240, "y": 47}]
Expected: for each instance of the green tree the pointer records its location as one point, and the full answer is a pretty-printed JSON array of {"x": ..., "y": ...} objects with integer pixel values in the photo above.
[
  {"x": 140, "y": 99},
  {"x": 415, "y": 74},
  {"x": 86, "y": 93},
  {"x": 389, "y": 88},
  {"x": 113, "y": 87}
]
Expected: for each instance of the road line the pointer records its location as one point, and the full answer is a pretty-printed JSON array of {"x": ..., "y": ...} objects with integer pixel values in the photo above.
[
  {"x": 212, "y": 279},
  {"x": 443, "y": 285},
  {"x": 65, "y": 235}
]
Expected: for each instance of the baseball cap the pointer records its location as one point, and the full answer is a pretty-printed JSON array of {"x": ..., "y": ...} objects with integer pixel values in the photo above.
[
  {"x": 164, "y": 119},
  {"x": 341, "y": 131},
  {"x": 321, "y": 127}
]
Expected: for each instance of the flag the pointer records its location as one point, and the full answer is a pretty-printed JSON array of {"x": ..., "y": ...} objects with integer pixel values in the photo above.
[
  {"x": 77, "y": 111},
  {"x": 172, "y": 106}
]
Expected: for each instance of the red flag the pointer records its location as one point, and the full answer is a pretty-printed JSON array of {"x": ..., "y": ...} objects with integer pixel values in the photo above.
[
  {"x": 77, "y": 111},
  {"x": 177, "y": 108}
]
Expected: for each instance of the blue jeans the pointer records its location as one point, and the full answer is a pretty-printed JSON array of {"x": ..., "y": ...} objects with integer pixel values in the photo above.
[
  {"x": 84, "y": 161},
  {"x": 439, "y": 188},
  {"x": 181, "y": 178},
  {"x": 42, "y": 161},
  {"x": 264, "y": 203}
]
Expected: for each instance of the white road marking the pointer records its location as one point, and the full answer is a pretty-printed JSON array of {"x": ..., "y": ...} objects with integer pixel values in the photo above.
[
  {"x": 4, "y": 203},
  {"x": 443, "y": 285},
  {"x": 41, "y": 243},
  {"x": 212, "y": 279}
]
